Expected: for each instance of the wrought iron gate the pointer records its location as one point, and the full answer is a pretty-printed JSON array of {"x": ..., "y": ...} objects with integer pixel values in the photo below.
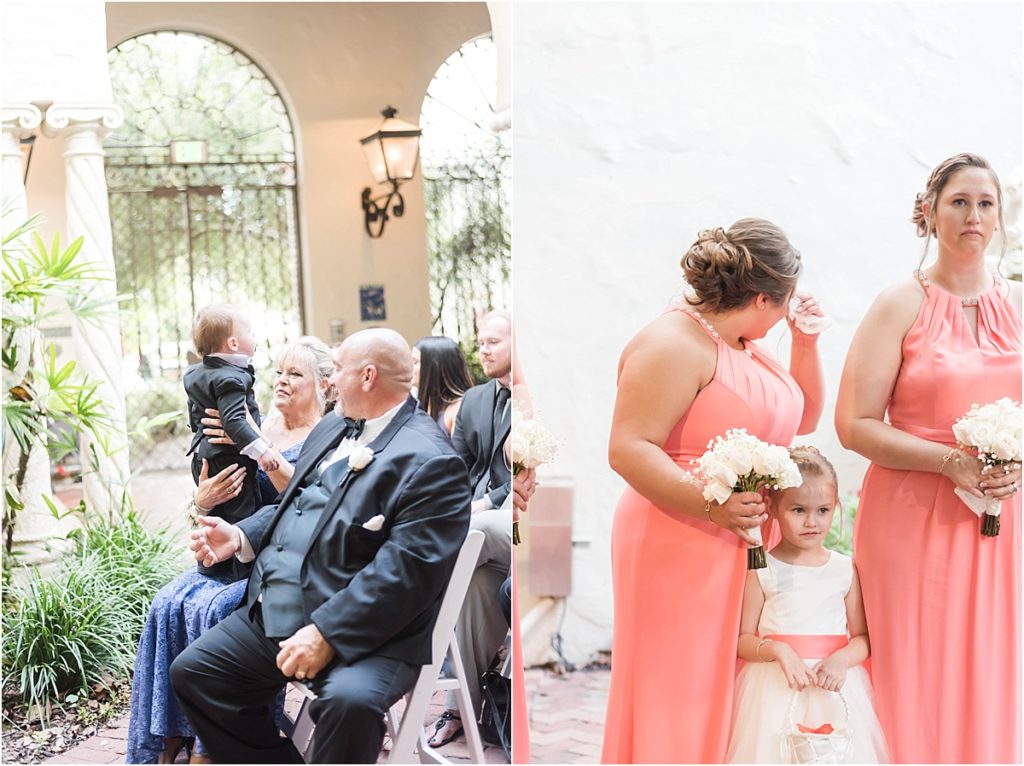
[{"x": 220, "y": 227}]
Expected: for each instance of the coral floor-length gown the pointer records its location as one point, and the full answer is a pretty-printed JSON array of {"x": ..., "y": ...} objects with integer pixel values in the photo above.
[
  {"x": 943, "y": 602},
  {"x": 520, "y": 712},
  {"x": 678, "y": 582}
]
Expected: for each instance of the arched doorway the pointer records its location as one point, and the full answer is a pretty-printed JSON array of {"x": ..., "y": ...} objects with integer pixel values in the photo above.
[
  {"x": 467, "y": 182},
  {"x": 202, "y": 187}
]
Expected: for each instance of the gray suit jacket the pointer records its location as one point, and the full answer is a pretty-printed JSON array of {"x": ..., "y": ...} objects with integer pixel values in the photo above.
[{"x": 479, "y": 446}]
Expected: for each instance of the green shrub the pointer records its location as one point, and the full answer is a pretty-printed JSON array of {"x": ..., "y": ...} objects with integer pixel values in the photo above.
[
  {"x": 61, "y": 635},
  {"x": 846, "y": 512},
  {"x": 135, "y": 561},
  {"x": 66, "y": 634},
  {"x": 471, "y": 350}
]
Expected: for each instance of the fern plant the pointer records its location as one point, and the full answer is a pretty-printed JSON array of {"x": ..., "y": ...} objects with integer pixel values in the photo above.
[{"x": 46, "y": 405}]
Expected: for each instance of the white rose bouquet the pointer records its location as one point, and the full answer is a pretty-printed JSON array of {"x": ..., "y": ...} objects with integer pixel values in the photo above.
[
  {"x": 993, "y": 432},
  {"x": 739, "y": 462},
  {"x": 531, "y": 445}
]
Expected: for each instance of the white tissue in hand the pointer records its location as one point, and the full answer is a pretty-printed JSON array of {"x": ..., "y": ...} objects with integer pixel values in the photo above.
[
  {"x": 375, "y": 524},
  {"x": 807, "y": 323}
]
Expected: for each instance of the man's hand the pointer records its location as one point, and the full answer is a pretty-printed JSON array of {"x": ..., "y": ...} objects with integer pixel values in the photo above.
[
  {"x": 215, "y": 540},
  {"x": 304, "y": 654}
]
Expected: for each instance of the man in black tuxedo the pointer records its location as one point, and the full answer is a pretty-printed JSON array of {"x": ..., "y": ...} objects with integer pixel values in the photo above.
[
  {"x": 481, "y": 429},
  {"x": 350, "y": 568}
]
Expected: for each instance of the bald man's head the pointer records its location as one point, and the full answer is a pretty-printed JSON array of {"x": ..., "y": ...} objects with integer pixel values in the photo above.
[{"x": 373, "y": 372}]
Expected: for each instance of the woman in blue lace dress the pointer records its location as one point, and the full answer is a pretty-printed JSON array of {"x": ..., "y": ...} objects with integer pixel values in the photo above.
[{"x": 192, "y": 603}]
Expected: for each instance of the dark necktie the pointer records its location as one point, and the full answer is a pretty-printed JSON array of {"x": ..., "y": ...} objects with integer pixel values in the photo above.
[
  {"x": 499, "y": 409},
  {"x": 354, "y": 427}
]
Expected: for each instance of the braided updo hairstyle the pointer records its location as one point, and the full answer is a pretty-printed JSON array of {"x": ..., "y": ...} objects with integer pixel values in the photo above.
[
  {"x": 937, "y": 181},
  {"x": 812, "y": 463},
  {"x": 727, "y": 269}
]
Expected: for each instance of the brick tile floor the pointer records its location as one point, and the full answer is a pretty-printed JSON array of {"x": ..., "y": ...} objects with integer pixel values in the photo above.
[
  {"x": 109, "y": 744},
  {"x": 566, "y": 715}
]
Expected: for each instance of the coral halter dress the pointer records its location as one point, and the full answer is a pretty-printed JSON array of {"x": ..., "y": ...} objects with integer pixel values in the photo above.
[
  {"x": 943, "y": 602},
  {"x": 678, "y": 581}
]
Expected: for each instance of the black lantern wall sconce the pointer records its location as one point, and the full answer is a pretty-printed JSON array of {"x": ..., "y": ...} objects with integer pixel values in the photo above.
[{"x": 392, "y": 151}]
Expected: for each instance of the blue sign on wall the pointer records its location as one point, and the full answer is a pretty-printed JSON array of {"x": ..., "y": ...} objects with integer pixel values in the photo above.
[{"x": 371, "y": 303}]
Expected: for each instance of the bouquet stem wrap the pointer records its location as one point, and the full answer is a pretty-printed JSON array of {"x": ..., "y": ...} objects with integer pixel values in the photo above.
[{"x": 993, "y": 433}]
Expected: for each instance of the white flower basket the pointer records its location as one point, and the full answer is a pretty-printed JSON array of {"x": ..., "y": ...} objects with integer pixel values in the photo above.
[{"x": 800, "y": 747}]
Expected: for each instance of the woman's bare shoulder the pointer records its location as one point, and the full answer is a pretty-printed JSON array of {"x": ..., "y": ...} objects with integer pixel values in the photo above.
[
  {"x": 898, "y": 305},
  {"x": 670, "y": 339}
]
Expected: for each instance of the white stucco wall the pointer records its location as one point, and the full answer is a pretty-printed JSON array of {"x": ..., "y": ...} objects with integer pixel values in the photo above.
[{"x": 639, "y": 124}]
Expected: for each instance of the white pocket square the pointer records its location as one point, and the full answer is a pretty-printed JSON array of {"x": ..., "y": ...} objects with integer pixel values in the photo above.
[{"x": 375, "y": 524}]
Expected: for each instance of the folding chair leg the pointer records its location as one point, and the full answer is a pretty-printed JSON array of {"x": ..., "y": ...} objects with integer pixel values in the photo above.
[
  {"x": 412, "y": 717},
  {"x": 465, "y": 702}
]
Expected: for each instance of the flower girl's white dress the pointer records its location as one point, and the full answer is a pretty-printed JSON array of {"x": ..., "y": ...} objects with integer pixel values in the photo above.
[{"x": 804, "y": 602}]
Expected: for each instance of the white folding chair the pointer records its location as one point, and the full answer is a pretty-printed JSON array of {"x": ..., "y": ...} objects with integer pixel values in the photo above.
[
  {"x": 406, "y": 729},
  {"x": 409, "y": 733}
]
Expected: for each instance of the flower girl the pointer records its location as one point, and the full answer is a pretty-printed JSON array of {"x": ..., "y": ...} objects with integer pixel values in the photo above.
[{"x": 803, "y": 636}]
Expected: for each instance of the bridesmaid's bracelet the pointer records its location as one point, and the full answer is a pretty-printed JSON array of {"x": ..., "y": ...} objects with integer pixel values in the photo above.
[
  {"x": 757, "y": 651},
  {"x": 954, "y": 454},
  {"x": 707, "y": 510}
]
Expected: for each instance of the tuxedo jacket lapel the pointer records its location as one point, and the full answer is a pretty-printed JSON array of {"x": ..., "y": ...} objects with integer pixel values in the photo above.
[{"x": 378, "y": 445}]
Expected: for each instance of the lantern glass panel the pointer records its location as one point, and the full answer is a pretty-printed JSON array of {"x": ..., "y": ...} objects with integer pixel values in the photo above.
[{"x": 375, "y": 160}]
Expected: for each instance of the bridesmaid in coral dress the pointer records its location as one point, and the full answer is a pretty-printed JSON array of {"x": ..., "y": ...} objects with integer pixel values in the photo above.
[
  {"x": 679, "y": 564},
  {"x": 942, "y": 602}
]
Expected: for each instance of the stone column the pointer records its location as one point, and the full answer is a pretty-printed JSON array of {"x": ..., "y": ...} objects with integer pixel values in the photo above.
[
  {"x": 36, "y": 536},
  {"x": 97, "y": 345},
  {"x": 19, "y": 121}
]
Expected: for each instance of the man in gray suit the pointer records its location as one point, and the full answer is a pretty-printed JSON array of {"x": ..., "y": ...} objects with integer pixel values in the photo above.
[{"x": 481, "y": 429}]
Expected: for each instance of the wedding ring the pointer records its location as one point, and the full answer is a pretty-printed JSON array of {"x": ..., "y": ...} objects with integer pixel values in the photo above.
[
  {"x": 300, "y": 674},
  {"x": 1016, "y": 487}
]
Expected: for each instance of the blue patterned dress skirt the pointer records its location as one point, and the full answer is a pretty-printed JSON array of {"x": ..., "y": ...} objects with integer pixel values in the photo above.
[{"x": 182, "y": 611}]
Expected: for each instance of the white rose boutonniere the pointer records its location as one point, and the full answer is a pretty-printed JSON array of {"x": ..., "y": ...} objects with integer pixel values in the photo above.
[
  {"x": 361, "y": 457},
  {"x": 375, "y": 524}
]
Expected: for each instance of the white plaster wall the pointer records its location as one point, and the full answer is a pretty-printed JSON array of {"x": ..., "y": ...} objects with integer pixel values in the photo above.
[
  {"x": 639, "y": 124},
  {"x": 52, "y": 51}
]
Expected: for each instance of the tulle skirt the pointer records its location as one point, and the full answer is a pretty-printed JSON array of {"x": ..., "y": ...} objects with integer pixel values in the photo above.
[{"x": 760, "y": 720}]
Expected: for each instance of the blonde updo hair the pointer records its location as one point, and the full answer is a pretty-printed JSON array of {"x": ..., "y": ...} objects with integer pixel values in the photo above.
[
  {"x": 727, "y": 269},
  {"x": 313, "y": 355},
  {"x": 937, "y": 181}
]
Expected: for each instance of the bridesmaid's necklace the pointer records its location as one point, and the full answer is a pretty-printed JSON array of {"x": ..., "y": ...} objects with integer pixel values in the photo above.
[
  {"x": 714, "y": 333},
  {"x": 970, "y": 300}
]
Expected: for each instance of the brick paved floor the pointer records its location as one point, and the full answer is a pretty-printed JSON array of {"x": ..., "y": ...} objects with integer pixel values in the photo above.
[
  {"x": 109, "y": 744},
  {"x": 566, "y": 715}
]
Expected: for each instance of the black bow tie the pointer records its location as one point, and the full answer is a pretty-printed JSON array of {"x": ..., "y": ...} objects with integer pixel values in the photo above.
[{"x": 354, "y": 427}]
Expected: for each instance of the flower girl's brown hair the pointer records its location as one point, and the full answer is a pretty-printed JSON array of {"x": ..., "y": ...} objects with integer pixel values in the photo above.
[{"x": 812, "y": 463}]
